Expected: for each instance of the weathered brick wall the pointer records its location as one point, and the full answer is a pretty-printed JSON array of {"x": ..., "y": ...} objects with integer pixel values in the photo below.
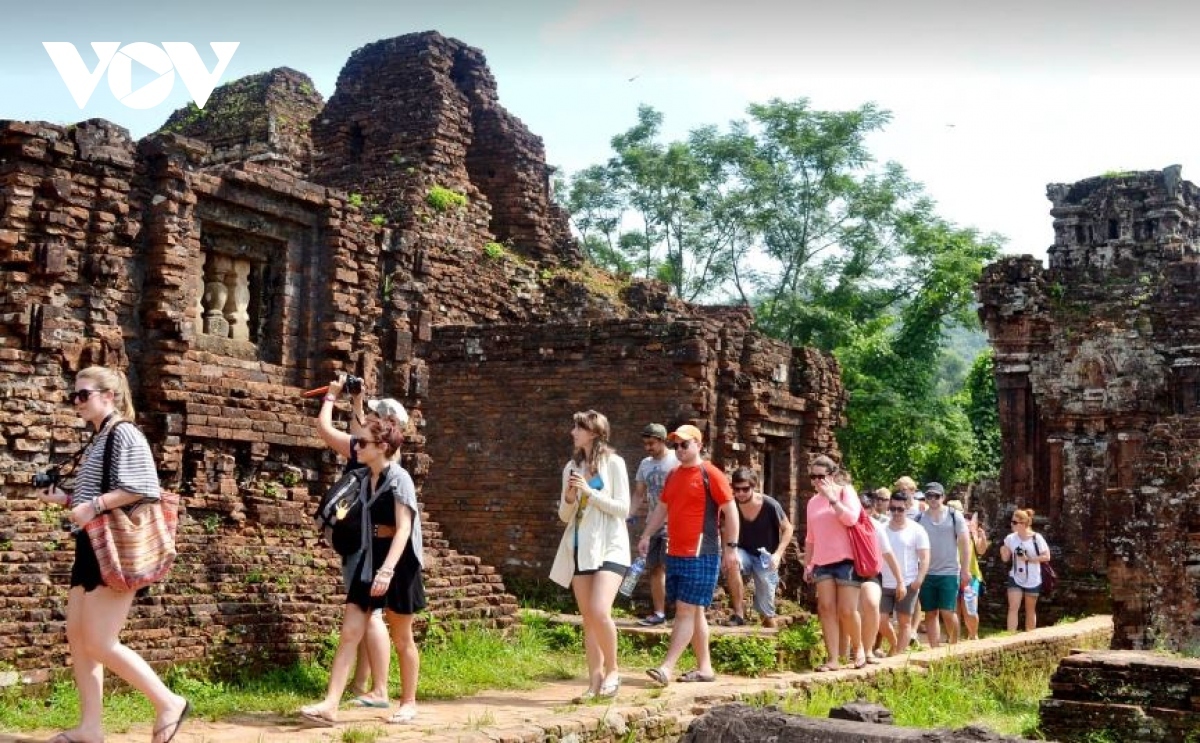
[
  {"x": 505, "y": 396},
  {"x": 107, "y": 248},
  {"x": 1123, "y": 695},
  {"x": 264, "y": 118},
  {"x": 1096, "y": 370}
]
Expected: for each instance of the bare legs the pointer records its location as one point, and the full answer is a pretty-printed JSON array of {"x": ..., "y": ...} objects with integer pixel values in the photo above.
[
  {"x": 374, "y": 657},
  {"x": 837, "y": 609},
  {"x": 690, "y": 628},
  {"x": 354, "y": 626},
  {"x": 595, "y": 594},
  {"x": 949, "y": 618},
  {"x": 658, "y": 589},
  {"x": 1014, "y": 608},
  {"x": 410, "y": 663},
  {"x": 737, "y": 592},
  {"x": 94, "y": 621},
  {"x": 868, "y": 609}
]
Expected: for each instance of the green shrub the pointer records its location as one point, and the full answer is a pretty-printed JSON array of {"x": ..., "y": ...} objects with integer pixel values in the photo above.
[
  {"x": 495, "y": 251},
  {"x": 444, "y": 199},
  {"x": 744, "y": 655},
  {"x": 355, "y": 200},
  {"x": 801, "y": 645}
]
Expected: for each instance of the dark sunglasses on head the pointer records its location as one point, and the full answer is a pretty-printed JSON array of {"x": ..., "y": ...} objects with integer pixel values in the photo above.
[
  {"x": 81, "y": 395},
  {"x": 360, "y": 443}
]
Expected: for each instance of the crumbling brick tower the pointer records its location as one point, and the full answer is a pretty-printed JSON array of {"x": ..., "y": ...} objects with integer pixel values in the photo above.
[{"x": 1098, "y": 375}]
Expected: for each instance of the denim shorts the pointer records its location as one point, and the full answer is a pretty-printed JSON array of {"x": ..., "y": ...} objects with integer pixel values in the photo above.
[
  {"x": 840, "y": 572},
  {"x": 1011, "y": 585}
]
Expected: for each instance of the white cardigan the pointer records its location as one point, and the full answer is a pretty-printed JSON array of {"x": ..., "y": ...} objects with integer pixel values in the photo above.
[{"x": 603, "y": 536}]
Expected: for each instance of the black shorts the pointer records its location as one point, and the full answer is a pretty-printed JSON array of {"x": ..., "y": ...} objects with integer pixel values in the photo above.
[
  {"x": 606, "y": 566},
  {"x": 85, "y": 571}
]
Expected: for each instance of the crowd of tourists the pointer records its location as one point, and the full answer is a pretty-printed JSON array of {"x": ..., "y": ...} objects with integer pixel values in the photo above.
[{"x": 697, "y": 524}]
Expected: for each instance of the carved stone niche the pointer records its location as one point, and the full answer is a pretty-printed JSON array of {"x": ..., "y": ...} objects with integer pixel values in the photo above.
[{"x": 237, "y": 295}]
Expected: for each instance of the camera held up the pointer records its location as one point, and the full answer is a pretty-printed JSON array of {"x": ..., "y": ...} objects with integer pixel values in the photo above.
[{"x": 354, "y": 385}]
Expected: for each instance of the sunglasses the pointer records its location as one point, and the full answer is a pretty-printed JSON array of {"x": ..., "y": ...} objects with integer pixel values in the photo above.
[
  {"x": 817, "y": 477},
  {"x": 897, "y": 509},
  {"x": 361, "y": 443},
  {"x": 1014, "y": 521},
  {"x": 79, "y": 396},
  {"x": 679, "y": 444},
  {"x": 742, "y": 488}
]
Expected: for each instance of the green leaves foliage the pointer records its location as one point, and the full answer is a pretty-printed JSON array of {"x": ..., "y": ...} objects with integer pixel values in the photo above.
[{"x": 787, "y": 211}]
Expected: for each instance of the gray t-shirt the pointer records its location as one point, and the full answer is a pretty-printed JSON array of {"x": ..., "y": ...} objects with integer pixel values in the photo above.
[
  {"x": 132, "y": 465},
  {"x": 943, "y": 540},
  {"x": 654, "y": 473}
]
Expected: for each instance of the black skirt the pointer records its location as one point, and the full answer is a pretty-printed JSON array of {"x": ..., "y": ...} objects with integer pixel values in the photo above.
[{"x": 406, "y": 592}]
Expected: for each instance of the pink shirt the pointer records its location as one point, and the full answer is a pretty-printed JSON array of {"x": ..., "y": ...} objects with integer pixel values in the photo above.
[{"x": 826, "y": 539}]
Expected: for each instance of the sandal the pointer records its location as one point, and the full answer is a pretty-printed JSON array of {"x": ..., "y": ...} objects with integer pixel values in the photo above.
[
  {"x": 403, "y": 716},
  {"x": 694, "y": 676},
  {"x": 314, "y": 717},
  {"x": 825, "y": 667},
  {"x": 174, "y": 726},
  {"x": 659, "y": 676},
  {"x": 363, "y": 700},
  {"x": 610, "y": 687},
  {"x": 860, "y": 662}
]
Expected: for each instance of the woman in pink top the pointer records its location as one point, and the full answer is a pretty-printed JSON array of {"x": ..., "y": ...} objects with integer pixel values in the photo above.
[{"x": 829, "y": 561}]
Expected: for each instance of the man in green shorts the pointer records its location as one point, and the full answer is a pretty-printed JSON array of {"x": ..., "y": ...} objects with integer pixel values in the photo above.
[{"x": 949, "y": 564}]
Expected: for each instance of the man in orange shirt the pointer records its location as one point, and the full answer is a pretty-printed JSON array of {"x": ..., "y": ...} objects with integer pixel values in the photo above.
[{"x": 695, "y": 493}]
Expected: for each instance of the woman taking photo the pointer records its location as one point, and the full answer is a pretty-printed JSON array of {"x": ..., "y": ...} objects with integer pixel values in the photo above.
[
  {"x": 96, "y": 613},
  {"x": 593, "y": 553},
  {"x": 1026, "y": 550},
  {"x": 387, "y": 571},
  {"x": 829, "y": 561}
]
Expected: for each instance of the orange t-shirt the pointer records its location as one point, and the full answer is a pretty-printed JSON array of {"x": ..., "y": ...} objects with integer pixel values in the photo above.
[{"x": 692, "y": 515}]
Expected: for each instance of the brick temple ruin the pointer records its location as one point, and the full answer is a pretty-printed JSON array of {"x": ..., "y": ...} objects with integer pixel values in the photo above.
[
  {"x": 1097, "y": 364},
  {"x": 404, "y": 231}
]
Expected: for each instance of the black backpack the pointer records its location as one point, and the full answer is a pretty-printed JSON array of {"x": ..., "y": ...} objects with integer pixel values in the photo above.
[{"x": 339, "y": 515}]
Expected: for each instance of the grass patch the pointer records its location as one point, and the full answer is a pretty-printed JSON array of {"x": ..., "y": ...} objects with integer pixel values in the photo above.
[{"x": 1004, "y": 696}]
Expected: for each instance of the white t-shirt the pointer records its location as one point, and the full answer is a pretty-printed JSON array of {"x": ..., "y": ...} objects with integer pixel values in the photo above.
[
  {"x": 905, "y": 543},
  {"x": 1026, "y": 574}
]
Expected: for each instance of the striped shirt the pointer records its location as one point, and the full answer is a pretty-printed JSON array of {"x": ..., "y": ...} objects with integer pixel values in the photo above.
[{"x": 132, "y": 466}]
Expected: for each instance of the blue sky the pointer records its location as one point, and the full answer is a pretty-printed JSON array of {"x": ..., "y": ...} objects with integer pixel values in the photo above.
[{"x": 989, "y": 103}]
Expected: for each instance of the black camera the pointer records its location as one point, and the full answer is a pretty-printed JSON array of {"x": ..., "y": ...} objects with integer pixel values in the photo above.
[
  {"x": 47, "y": 479},
  {"x": 353, "y": 385},
  {"x": 1019, "y": 551}
]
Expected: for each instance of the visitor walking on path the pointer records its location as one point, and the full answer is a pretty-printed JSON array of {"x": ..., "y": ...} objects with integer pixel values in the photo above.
[
  {"x": 949, "y": 565},
  {"x": 647, "y": 489},
  {"x": 695, "y": 493},
  {"x": 593, "y": 553},
  {"x": 1026, "y": 550},
  {"x": 829, "y": 561},
  {"x": 96, "y": 613},
  {"x": 764, "y": 533},
  {"x": 387, "y": 574}
]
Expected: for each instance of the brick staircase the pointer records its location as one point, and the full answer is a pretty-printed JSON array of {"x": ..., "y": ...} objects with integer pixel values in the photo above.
[{"x": 461, "y": 588}]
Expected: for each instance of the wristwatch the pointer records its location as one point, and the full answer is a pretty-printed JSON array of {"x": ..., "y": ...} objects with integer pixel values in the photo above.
[{"x": 731, "y": 544}]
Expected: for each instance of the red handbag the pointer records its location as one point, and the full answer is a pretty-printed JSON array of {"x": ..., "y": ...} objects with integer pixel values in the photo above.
[{"x": 868, "y": 561}]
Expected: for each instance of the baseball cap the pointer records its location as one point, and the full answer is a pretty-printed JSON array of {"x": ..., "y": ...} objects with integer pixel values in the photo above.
[
  {"x": 934, "y": 488},
  {"x": 686, "y": 433},
  {"x": 655, "y": 431},
  {"x": 918, "y": 495},
  {"x": 389, "y": 408}
]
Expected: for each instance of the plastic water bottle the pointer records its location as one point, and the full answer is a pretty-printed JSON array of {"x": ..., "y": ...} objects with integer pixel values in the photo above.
[
  {"x": 631, "y": 577},
  {"x": 971, "y": 599},
  {"x": 764, "y": 558}
]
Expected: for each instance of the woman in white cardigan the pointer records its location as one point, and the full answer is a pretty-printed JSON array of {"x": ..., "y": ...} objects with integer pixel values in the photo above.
[{"x": 594, "y": 552}]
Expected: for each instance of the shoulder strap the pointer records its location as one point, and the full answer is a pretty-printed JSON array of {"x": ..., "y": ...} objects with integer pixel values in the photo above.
[
  {"x": 704, "y": 476},
  {"x": 1036, "y": 551},
  {"x": 106, "y": 474}
]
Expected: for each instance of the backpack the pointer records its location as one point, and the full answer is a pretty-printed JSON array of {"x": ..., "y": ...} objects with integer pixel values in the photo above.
[
  {"x": 1049, "y": 576},
  {"x": 339, "y": 514}
]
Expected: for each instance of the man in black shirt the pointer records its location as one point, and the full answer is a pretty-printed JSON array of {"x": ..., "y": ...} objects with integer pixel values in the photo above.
[{"x": 764, "y": 535}]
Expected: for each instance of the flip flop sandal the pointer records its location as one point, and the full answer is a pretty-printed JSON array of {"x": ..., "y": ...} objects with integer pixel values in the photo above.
[
  {"x": 174, "y": 726},
  {"x": 365, "y": 701},
  {"x": 696, "y": 676},
  {"x": 609, "y": 689},
  {"x": 825, "y": 667},
  {"x": 63, "y": 738},
  {"x": 658, "y": 675},
  {"x": 317, "y": 719}
]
